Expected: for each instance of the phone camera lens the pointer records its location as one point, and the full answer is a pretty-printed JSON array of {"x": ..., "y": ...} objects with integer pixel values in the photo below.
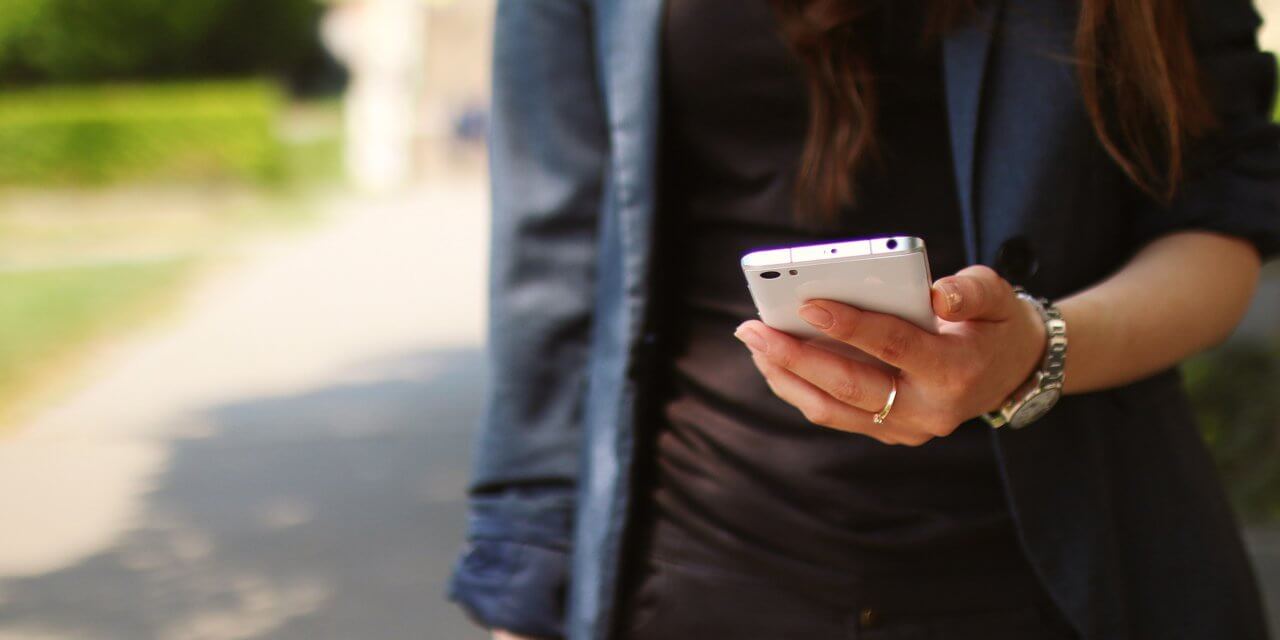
[
  {"x": 892, "y": 244},
  {"x": 793, "y": 272},
  {"x": 833, "y": 251},
  {"x": 769, "y": 275}
]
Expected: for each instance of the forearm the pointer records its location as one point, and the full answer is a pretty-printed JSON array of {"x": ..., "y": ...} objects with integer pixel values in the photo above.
[{"x": 1179, "y": 295}]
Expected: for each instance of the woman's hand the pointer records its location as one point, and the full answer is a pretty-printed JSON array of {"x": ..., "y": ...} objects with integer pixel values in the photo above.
[
  {"x": 989, "y": 343},
  {"x": 499, "y": 634}
]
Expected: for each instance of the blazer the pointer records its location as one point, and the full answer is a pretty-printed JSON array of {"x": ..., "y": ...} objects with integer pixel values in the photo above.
[{"x": 1113, "y": 495}]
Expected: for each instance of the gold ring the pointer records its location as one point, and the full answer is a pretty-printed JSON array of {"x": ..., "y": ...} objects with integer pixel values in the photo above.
[{"x": 888, "y": 404}]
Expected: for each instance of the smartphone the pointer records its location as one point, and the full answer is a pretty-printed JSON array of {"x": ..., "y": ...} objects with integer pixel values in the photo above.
[{"x": 886, "y": 275}]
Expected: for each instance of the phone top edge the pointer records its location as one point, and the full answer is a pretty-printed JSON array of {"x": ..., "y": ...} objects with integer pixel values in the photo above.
[
  {"x": 767, "y": 258},
  {"x": 825, "y": 252}
]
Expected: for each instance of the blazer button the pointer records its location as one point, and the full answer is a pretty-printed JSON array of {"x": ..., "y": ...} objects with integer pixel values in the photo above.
[
  {"x": 1016, "y": 260},
  {"x": 868, "y": 619}
]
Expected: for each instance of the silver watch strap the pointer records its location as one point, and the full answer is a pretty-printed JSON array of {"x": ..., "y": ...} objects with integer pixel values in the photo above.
[{"x": 1053, "y": 368}]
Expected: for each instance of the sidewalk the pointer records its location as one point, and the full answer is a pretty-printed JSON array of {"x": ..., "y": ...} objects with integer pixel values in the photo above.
[{"x": 285, "y": 459}]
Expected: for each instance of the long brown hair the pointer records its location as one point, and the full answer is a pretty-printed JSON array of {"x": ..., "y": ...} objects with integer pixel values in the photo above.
[{"x": 1136, "y": 70}]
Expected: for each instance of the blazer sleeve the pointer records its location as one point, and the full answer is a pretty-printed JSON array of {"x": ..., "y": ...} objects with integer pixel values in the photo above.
[
  {"x": 548, "y": 157},
  {"x": 1233, "y": 179}
]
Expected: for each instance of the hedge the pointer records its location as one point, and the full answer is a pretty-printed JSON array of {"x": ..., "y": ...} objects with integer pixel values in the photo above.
[{"x": 71, "y": 135}]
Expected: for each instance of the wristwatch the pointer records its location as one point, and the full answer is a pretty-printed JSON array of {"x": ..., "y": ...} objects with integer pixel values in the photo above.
[{"x": 1030, "y": 401}]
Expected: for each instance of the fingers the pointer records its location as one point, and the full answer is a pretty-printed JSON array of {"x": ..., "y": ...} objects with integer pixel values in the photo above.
[
  {"x": 817, "y": 406},
  {"x": 857, "y": 384},
  {"x": 505, "y": 635},
  {"x": 891, "y": 339},
  {"x": 973, "y": 293}
]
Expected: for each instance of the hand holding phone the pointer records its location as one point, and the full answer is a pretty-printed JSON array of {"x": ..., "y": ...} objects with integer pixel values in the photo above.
[{"x": 981, "y": 346}]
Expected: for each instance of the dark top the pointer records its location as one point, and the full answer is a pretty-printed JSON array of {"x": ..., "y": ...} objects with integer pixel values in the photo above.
[{"x": 741, "y": 476}]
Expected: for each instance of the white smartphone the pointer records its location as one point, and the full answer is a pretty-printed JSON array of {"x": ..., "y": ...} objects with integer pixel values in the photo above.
[{"x": 886, "y": 275}]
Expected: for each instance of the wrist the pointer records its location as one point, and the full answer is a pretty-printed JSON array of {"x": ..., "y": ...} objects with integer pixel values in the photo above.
[
  {"x": 1029, "y": 354},
  {"x": 1094, "y": 329}
]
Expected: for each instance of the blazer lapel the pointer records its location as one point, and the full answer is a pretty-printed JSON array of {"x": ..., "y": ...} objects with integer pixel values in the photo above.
[
  {"x": 965, "y": 53},
  {"x": 627, "y": 58},
  {"x": 629, "y": 55}
]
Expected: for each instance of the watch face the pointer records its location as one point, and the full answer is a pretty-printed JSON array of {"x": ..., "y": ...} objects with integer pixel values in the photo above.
[{"x": 1035, "y": 407}]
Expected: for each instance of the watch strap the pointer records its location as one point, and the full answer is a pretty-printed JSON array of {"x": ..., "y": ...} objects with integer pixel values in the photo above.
[
  {"x": 1052, "y": 368},
  {"x": 1054, "y": 364}
]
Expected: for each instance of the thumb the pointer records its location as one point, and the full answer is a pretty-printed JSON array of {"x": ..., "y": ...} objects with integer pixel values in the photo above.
[{"x": 973, "y": 293}]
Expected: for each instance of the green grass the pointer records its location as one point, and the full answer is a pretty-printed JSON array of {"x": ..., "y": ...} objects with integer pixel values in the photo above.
[{"x": 49, "y": 315}]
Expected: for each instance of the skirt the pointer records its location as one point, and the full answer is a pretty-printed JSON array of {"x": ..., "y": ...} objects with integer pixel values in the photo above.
[{"x": 680, "y": 588}]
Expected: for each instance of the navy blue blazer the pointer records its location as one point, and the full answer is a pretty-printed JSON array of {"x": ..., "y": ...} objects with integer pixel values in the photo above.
[{"x": 1114, "y": 497}]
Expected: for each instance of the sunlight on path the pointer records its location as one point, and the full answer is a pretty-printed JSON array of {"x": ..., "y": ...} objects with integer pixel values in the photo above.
[{"x": 289, "y": 315}]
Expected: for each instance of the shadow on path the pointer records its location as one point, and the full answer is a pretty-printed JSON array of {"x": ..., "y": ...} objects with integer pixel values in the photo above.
[
  {"x": 333, "y": 514},
  {"x": 329, "y": 515}
]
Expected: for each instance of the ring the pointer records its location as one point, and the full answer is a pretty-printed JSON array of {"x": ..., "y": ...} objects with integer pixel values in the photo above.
[{"x": 888, "y": 404}]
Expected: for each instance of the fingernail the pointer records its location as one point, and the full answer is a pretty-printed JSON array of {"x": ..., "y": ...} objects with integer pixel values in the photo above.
[
  {"x": 816, "y": 316},
  {"x": 752, "y": 339},
  {"x": 951, "y": 294}
]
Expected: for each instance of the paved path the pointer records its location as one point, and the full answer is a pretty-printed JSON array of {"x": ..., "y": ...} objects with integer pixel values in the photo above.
[
  {"x": 284, "y": 459},
  {"x": 1264, "y": 545}
]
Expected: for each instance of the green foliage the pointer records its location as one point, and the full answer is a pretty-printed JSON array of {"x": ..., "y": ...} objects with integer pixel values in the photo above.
[
  {"x": 1275, "y": 105},
  {"x": 101, "y": 134},
  {"x": 1236, "y": 393},
  {"x": 86, "y": 40}
]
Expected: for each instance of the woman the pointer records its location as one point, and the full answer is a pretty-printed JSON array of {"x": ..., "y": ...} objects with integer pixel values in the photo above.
[{"x": 653, "y": 464}]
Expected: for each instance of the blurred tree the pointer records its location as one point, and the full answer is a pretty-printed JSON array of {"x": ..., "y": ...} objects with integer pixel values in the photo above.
[
  {"x": 280, "y": 36},
  {"x": 87, "y": 40}
]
